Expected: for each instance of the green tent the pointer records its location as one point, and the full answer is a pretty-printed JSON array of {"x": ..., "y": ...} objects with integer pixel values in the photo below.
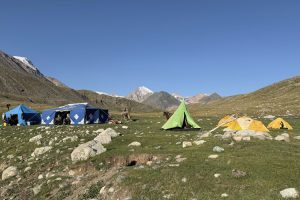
[{"x": 181, "y": 119}]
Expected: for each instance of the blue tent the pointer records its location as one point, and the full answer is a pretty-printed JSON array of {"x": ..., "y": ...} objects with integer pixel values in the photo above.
[
  {"x": 23, "y": 115},
  {"x": 81, "y": 113}
]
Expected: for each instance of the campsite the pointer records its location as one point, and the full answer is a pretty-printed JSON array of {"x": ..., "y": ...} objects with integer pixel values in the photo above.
[
  {"x": 149, "y": 100},
  {"x": 132, "y": 172}
]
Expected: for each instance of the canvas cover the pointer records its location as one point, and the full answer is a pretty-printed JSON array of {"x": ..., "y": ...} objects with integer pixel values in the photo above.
[
  {"x": 178, "y": 119},
  {"x": 246, "y": 123},
  {"x": 26, "y": 115},
  {"x": 280, "y": 123},
  {"x": 80, "y": 113}
]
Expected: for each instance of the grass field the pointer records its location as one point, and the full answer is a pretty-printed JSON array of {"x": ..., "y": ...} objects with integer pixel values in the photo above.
[{"x": 271, "y": 166}]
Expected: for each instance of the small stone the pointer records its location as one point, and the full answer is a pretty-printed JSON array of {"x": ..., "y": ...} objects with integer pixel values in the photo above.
[
  {"x": 218, "y": 149},
  {"x": 213, "y": 156},
  {"x": 40, "y": 176},
  {"x": 184, "y": 180},
  {"x": 27, "y": 169},
  {"x": 71, "y": 173},
  {"x": 111, "y": 190},
  {"x": 217, "y": 175},
  {"x": 36, "y": 190},
  {"x": 289, "y": 193},
  {"x": 135, "y": 144},
  {"x": 124, "y": 127},
  {"x": 186, "y": 144},
  {"x": 9, "y": 172},
  {"x": 224, "y": 195},
  {"x": 199, "y": 142},
  {"x": 205, "y": 135}
]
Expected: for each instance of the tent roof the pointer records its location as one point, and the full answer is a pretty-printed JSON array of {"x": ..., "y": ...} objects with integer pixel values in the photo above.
[
  {"x": 20, "y": 109},
  {"x": 177, "y": 119},
  {"x": 75, "y": 106},
  {"x": 276, "y": 124}
]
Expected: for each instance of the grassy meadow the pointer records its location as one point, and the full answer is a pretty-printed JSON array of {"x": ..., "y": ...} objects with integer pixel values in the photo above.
[{"x": 271, "y": 166}]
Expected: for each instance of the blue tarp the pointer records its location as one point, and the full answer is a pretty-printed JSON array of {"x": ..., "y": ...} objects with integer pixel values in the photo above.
[
  {"x": 25, "y": 115},
  {"x": 80, "y": 113}
]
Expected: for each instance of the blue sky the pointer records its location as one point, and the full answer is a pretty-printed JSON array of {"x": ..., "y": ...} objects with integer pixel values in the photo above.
[{"x": 187, "y": 47}]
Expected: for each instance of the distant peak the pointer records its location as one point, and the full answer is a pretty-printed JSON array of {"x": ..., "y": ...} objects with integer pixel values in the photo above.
[{"x": 145, "y": 89}]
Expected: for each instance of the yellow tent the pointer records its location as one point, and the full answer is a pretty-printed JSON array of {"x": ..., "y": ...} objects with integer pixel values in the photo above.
[
  {"x": 225, "y": 121},
  {"x": 280, "y": 123},
  {"x": 246, "y": 123}
]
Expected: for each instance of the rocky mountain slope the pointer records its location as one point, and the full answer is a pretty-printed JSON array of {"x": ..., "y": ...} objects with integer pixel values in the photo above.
[
  {"x": 20, "y": 82},
  {"x": 162, "y": 100},
  {"x": 140, "y": 94},
  {"x": 282, "y": 98},
  {"x": 56, "y": 82}
]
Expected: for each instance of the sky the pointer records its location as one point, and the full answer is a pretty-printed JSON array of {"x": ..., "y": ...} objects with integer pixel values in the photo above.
[{"x": 187, "y": 47}]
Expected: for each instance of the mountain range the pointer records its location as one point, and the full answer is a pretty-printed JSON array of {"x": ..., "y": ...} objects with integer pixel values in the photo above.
[{"x": 22, "y": 82}]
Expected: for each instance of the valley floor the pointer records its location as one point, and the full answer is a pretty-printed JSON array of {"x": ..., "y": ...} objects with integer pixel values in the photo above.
[{"x": 155, "y": 170}]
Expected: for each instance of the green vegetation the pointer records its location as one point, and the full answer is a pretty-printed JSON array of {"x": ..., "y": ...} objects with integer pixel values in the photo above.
[{"x": 271, "y": 166}]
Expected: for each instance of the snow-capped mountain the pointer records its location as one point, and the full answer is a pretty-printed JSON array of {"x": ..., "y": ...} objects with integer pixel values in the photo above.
[
  {"x": 140, "y": 94},
  {"x": 28, "y": 66}
]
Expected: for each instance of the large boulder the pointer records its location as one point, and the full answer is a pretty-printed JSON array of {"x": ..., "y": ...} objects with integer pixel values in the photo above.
[
  {"x": 87, "y": 150},
  {"x": 289, "y": 193},
  {"x": 103, "y": 138},
  {"x": 111, "y": 132},
  {"x": 9, "y": 172},
  {"x": 40, "y": 151}
]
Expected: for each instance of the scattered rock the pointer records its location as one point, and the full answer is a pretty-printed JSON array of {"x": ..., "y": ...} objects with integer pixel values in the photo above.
[
  {"x": 283, "y": 137},
  {"x": 199, "y": 142},
  {"x": 186, "y": 144},
  {"x": 36, "y": 139},
  {"x": 40, "y": 151},
  {"x": 36, "y": 190},
  {"x": 87, "y": 150},
  {"x": 40, "y": 176},
  {"x": 124, "y": 127},
  {"x": 218, "y": 149},
  {"x": 237, "y": 138},
  {"x": 135, "y": 144},
  {"x": 217, "y": 175},
  {"x": 72, "y": 139},
  {"x": 224, "y": 195},
  {"x": 238, "y": 173},
  {"x": 9, "y": 172},
  {"x": 184, "y": 180},
  {"x": 289, "y": 193},
  {"x": 297, "y": 137},
  {"x": 205, "y": 135},
  {"x": 213, "y": 156},
  {"x": 27, "y": 169}
]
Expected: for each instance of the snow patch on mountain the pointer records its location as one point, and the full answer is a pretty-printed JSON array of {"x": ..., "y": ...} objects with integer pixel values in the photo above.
[
  {"x": 26, "y": 61},
  {"x": 28, "y": 66}
]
